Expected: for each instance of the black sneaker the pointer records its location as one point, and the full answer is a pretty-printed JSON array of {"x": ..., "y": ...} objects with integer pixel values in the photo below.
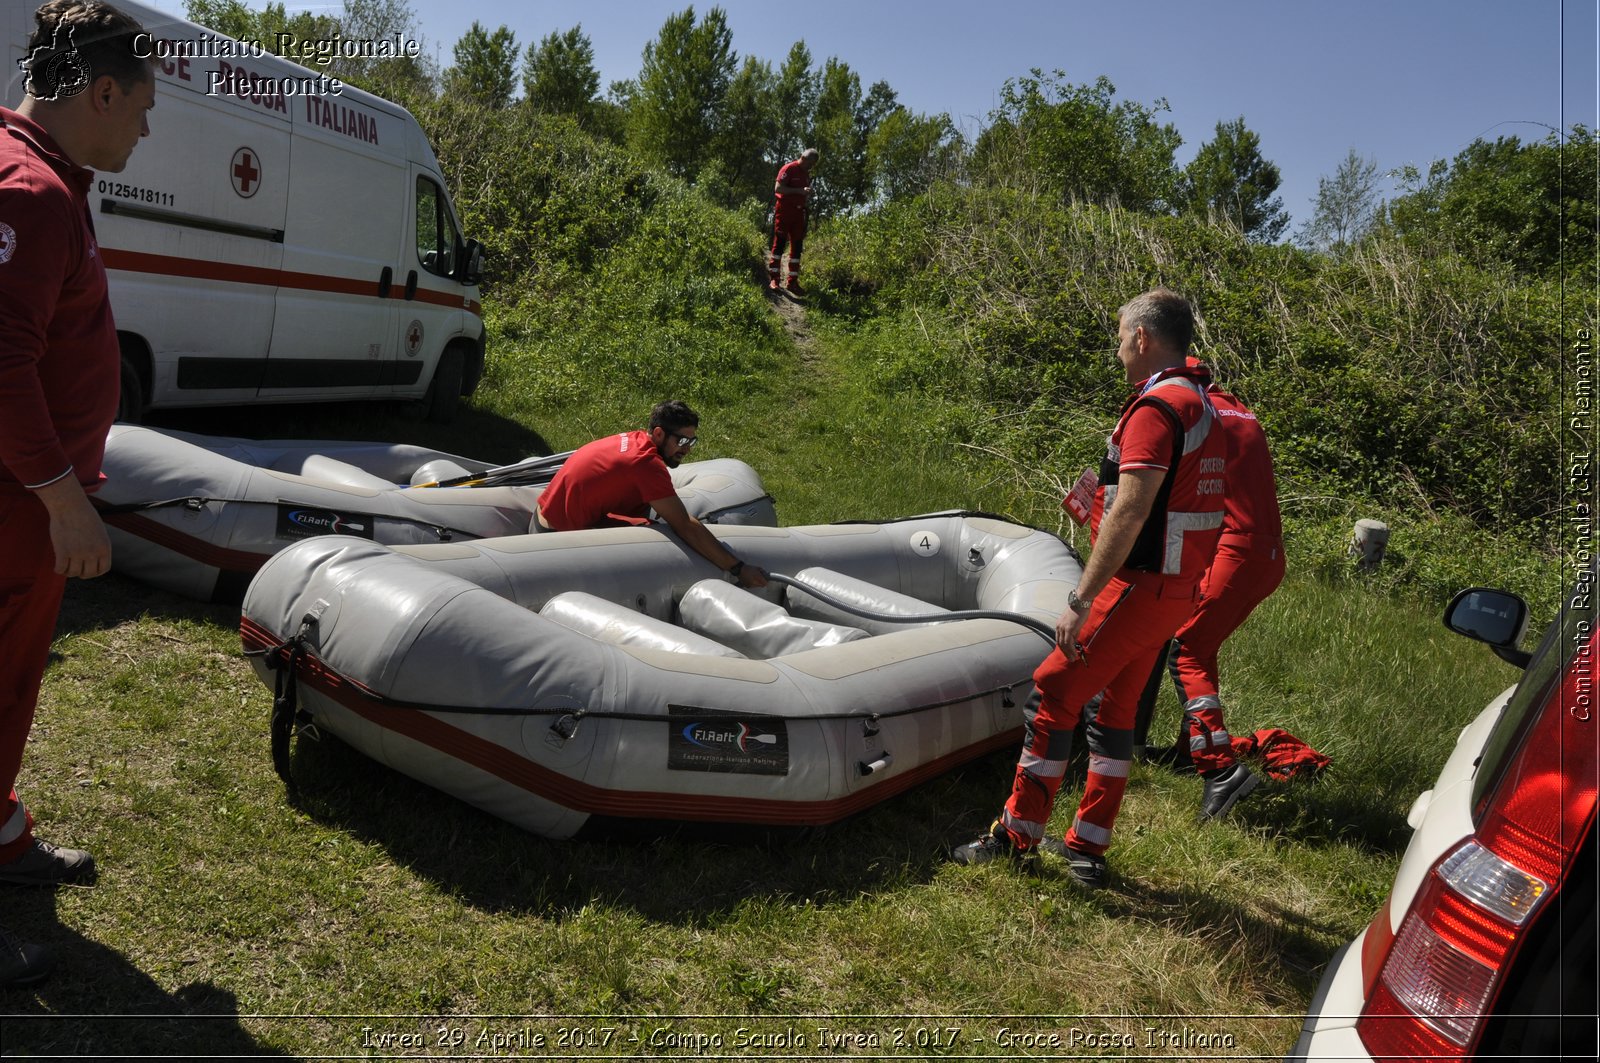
[
  {"x": 1087, "y": 870},
  {"x": 995, "y": 845},
  {"x": 1224, "y": 788},
  {"x": 22, "y": 964}
]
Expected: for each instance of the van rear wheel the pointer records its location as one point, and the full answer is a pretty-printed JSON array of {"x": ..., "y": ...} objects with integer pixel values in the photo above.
[
  {"x": 444, "y": 394},
  {"x": 130, "y": 394}
]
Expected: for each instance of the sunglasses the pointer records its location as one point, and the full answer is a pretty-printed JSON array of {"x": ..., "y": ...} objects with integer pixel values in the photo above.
[{"x": 686, "y": 441}]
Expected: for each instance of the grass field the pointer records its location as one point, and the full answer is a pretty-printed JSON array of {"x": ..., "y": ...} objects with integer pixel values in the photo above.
[{"x": 379, "y": 919}]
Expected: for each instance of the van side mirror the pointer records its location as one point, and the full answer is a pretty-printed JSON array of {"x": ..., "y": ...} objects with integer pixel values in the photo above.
[
  {"x": 469, "y": 259},
  {"x": 1497, "y": 617}
]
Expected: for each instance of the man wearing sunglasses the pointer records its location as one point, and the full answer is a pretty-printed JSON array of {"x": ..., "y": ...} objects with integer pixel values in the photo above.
[{"x": 618, "y": 480}]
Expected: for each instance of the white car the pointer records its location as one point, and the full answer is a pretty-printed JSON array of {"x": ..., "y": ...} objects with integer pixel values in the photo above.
[{"x": 1486, "y": 946}]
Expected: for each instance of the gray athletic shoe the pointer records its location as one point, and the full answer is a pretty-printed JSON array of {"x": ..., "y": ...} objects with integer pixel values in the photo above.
[{"x": 48, "y": 865}]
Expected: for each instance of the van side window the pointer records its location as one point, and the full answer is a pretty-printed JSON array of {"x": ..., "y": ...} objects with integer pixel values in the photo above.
[{"x": 436, "y": 232}]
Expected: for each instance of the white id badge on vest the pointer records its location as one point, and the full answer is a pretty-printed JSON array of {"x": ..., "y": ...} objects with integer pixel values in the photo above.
[{"x": 1081, "y": 497}]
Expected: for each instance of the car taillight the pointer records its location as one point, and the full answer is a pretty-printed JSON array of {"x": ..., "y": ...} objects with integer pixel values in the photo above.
[
  {"x": 1440, "y": 976},
  {"x": 1441, "y": 971}
]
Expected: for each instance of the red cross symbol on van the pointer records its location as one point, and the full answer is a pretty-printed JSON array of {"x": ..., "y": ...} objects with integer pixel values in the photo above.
[
  {"x": 414, "y": 338},
  {"x": 246, "y": 173}
]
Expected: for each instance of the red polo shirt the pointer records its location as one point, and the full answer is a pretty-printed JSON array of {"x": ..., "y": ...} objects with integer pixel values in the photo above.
[
  {"x": 59, "y": 359},
  {"x": 610, "y": 481}
]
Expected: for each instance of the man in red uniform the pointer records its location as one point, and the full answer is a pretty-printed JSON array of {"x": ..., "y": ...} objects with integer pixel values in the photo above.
[
  {"x": 1155, "y": 519},
  {"x": 87, "y": 94},
  {"x": 618, "y": 480},
  {"x": 793, "y": 191},
  {"x": 1248, "y": 567}
]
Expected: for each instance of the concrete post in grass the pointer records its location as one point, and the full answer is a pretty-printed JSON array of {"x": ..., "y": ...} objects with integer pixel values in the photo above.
[{"x": 1371, "y": 539}]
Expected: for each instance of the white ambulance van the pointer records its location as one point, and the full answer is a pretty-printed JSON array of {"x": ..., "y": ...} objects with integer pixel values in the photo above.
[{"x": 276, "y": 240}]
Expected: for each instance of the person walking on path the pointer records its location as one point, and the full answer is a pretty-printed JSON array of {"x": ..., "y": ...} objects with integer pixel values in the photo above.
[{"x": 793, "y": 192}]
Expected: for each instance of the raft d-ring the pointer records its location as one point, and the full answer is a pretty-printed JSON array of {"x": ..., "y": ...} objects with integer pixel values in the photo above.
[{"x": 869, "y": 726}]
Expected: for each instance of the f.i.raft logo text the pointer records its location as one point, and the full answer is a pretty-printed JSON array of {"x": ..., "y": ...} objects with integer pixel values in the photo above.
[{"x": 701, "y": 739}]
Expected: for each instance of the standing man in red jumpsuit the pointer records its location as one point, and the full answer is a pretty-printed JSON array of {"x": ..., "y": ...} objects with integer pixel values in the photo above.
[
  {"x": 793, "y": 191},
  {"x": 1155, "y": 519},
  {"x": 1248, "y": 567},
  {"x": 87, "y": 94}
]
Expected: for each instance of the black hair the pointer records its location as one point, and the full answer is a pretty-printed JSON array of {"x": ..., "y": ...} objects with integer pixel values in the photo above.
[
  {"x": 673, "y": 416},
  {"x": 76, "y": 41}
]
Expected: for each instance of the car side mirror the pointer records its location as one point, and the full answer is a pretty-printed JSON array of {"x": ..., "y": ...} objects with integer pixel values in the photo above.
[
  {"x": 470, "y": 263},
  {"x": 1494, "y": 616}
]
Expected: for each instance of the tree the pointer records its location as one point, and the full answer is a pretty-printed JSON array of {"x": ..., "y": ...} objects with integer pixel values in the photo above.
[
  {"x": 399, "y": 77},
  {"x": 403, "y": 78},
  {"x": 1080, "y": 144},
  {"x": 794, "y": 101},
  {"x": 748, "y": 127},
  {"x": 841, "y": 124},
  {"x": 1228, "y": 178},
  {"x": 1346, "y": 205},
  {"x": 683, "y": 82},
  {"x": 559, "y": 77},
  {"x": 1524, "y": 205},
  {"x": 485, "y": 69},
  {"x": 907, "y": 152},
  {"x": 272, "y": 27}
]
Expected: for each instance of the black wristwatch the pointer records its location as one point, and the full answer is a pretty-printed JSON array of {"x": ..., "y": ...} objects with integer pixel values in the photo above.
[{"x": 738, "y": 567}]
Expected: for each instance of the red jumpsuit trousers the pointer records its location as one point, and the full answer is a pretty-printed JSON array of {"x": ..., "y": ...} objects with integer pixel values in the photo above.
[
  {"x": 1126, "y": 629},
  {"x": 788, "y": 230},
  {"x": 1246, "y": 570},
  {"x": 30, "y": 597}
]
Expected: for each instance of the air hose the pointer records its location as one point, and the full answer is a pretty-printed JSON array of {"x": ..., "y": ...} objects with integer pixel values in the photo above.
[{"x": 1039, "y": 627}]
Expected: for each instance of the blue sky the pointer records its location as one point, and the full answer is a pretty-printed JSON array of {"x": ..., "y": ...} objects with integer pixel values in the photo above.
[{"x": 1400, "y": 81}]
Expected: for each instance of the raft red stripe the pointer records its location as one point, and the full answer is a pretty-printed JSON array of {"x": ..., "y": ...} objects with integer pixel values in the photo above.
[
  {"x": 563, "y": 790},
  {"x": 190, "y": 546},
  {"x": 202, "y": 269}
]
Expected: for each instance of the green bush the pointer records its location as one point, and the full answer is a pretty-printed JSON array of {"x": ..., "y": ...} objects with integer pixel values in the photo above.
[
  {"x": 1419, "y": 387},
  {"x": 549, "y": 200}
]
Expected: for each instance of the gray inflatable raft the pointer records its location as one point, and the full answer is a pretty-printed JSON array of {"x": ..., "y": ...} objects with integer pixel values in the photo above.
[
  {"x": 199, "y": 514},
  {"x": 547, "y": 679}
]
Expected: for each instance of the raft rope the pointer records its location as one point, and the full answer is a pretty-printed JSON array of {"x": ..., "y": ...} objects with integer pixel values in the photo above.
[{"x": 196, "y": 503}]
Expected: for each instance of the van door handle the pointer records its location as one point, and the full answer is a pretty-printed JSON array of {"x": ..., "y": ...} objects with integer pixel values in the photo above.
[
  {"x": 385, "y": 282},
  {"x": 411, "y": 284}
]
